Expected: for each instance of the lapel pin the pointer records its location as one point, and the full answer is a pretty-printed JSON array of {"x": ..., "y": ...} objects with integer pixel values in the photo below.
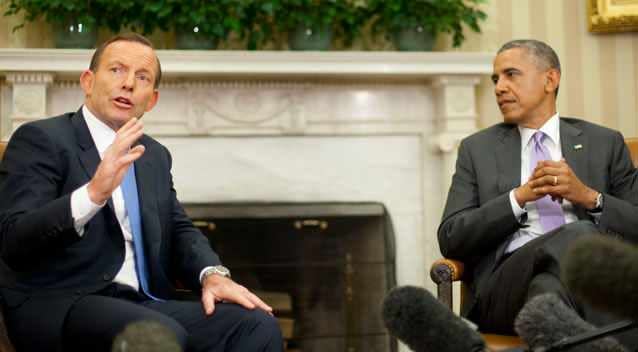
[{"x": 578, "y": 146}]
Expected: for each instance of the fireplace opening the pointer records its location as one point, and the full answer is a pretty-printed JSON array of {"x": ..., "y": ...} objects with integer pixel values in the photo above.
[{"x": 323, "y": 267}]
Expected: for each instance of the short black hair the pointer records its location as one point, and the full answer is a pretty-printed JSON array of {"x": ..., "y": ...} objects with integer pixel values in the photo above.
[{"x": 127, "y": 37}]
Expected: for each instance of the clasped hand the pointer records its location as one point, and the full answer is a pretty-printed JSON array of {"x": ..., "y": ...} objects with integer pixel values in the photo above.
[{"x": 558, "y": 180}]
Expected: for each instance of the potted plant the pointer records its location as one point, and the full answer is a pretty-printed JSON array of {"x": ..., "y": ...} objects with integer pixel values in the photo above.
[
  {"x": 197, "y": 24},
  {"x": 73, "y": 21},
  {"x": 203, "y": 24},
  {"x": 413, "y": 24},
  {"x": 312, "y": 24}
]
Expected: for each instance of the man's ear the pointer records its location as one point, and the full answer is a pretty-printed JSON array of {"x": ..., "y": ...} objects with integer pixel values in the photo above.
[
  {"x": 151, "y": 102},
  {"x": 552, "y": 80},
  {"x": 87, "y": 78}
]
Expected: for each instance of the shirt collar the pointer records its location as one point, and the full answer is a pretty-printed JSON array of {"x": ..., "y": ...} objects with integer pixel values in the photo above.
[
  {"x": 103, "y": 136},
  {"x": 551, "y": 128}
]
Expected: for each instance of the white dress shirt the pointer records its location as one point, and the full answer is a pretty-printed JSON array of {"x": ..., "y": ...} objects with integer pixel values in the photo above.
[
  {"x": 83, "y": 209},
  {"x": 552, "y": 142}
]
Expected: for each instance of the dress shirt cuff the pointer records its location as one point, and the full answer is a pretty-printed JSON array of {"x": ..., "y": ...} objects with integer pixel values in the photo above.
[
  {"x": 516, "y": 209},
  {"x": 83, "y": 208},
  {"x": 201, "y": 274}
]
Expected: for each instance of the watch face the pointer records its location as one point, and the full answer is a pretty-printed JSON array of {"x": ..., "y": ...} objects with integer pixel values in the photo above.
[{"x": 222, "y": 270}]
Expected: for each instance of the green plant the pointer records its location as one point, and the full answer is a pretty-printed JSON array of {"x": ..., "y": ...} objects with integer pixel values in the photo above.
[
  {"x": 262, "y": 20},
  {"x": 345, "y": 17},
  {"x": 107, "y": 13},
  {"x": 53, "y": 11},
  {"x": 256, "y": 19},
  {"x": 433, "y": 16},
  {"x": 213, "y": 19}
]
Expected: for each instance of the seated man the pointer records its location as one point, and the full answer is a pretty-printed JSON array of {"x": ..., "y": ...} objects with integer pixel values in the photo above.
[
  {"x": 525, "y": 188},
  {"x": 90, "y": 223}
]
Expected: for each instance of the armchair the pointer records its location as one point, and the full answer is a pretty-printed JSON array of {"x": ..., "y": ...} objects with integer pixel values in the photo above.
[{"x": 446, "y": 271}]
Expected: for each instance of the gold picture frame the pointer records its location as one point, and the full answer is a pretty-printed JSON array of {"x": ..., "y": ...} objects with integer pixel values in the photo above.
[{"x": 611, "y": 16}]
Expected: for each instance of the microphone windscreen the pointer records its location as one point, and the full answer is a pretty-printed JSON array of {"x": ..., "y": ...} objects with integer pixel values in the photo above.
[
  {"x": 604, "y": 272},
  {"x": 546, "y": 320},
  {"x": 416, "y": 318},
  {"x": 147, "y": 336}
]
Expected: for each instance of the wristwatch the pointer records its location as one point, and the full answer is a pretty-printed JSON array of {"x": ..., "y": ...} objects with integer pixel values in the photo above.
[
  {"x": 599, "y": 204},
  {"x": 216, "y": 270}
]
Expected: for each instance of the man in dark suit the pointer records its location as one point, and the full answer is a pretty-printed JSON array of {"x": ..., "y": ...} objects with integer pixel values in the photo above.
[
  {"x": 91, "y": 225},
  {"x": 525, "y": 188}
]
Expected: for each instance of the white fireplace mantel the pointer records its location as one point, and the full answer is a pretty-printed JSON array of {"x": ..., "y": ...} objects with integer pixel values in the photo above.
[
  {"x": 386, "y": 64},
  {"x": 292, "y": 126}
]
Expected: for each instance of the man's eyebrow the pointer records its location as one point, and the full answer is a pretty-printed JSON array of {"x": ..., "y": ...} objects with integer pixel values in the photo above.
[{"x": 115, "y": 62}]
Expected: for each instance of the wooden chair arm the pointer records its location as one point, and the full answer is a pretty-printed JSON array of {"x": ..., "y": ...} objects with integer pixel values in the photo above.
[
  {"x": 443, "y": 272},
  {"x": 446, "y": 270}
]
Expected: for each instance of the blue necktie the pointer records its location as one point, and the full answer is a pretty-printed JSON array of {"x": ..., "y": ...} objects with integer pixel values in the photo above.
[{"x": 132, "y": 204}]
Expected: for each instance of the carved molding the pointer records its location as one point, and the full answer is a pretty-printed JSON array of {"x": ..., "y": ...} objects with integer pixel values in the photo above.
[
  {"x": 447, "y": 142},
  {"x": 244, "y": 106},
  {"x": 29, "y": 77}
]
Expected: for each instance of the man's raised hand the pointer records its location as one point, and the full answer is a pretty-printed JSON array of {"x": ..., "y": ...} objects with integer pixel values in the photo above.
[{"x": 115, "y": 161}]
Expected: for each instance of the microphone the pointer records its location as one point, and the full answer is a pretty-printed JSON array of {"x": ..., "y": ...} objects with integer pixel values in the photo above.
[
  {"x": 604, "y": 272},
  {"x": 546, "y": 324},
  {"x": 419, "y": 320},
  {"x": 147, "y": 336}
]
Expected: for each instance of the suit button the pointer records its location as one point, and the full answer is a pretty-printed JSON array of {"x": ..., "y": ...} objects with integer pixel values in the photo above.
[{"x": 106, "y": 277}]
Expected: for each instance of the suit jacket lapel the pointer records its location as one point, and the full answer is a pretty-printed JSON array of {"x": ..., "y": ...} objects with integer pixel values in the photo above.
[
  {"x": 88, "y": 154},
  {"x": 575, "y": 151},
  {"x": 508, "y": 160}
]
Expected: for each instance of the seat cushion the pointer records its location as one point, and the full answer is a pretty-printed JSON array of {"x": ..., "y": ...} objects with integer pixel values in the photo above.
[{"x": 501, "y": 342}]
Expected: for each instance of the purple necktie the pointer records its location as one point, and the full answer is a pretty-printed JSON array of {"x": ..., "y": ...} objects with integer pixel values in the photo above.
[{"x": 550, "y": 212}]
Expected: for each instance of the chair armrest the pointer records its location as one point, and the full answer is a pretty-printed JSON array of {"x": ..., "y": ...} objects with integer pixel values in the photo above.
[
  {"x": 446, "y": 270},
  {"x": 443, "y": 272},
  {"x": 5, "y": 344}
]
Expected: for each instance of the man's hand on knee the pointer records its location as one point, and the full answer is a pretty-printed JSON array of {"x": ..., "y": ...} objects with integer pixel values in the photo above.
[{"x": 217, "y": 288}]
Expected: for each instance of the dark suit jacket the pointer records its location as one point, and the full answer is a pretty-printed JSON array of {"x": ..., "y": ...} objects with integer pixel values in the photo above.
[
  {"x": 44, "y": 163},
  {"x": 478, "y": 219}
]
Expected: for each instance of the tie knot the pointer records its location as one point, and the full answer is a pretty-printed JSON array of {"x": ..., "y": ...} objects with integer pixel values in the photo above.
[{"x": 539, "y": 136}]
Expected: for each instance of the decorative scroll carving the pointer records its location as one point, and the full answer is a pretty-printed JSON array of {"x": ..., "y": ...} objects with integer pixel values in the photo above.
[
  {"x": 225, "y": 106},
  {"x": 29, "y": 95}
]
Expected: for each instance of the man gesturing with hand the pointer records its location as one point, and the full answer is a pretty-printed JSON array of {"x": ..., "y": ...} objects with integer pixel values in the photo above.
[{"x": 91, "y": 225}]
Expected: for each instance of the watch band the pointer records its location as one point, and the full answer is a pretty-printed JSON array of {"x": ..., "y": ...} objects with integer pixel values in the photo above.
[
  {"x": 599, "y": 204},
  {"x": 216, "y": 270}
]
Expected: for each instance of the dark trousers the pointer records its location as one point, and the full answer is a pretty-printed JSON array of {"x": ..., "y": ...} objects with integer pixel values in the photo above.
[
  {"x": 95, "y": 320},
  {"x": 531, "y": 270}
]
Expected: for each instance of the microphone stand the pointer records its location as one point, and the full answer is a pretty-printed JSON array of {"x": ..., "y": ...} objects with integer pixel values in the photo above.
[
  {"x": 583, "y": 338},
  {"x": 589, "y": 336}
]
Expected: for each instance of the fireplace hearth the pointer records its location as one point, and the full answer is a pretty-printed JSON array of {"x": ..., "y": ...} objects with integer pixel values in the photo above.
[{"x": 324, "y": 267}]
